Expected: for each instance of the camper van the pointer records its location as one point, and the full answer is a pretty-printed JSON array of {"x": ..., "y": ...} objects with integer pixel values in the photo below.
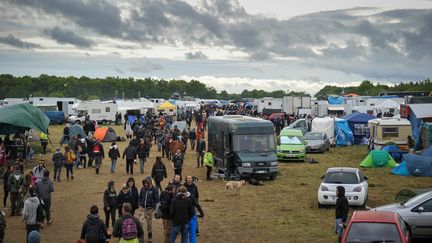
[
  {"x": 291, "y": 145},
  {"x": 385, "y": 131},
  {"x": 102, "y": 112},
  {"x": 245, "y": 143}
]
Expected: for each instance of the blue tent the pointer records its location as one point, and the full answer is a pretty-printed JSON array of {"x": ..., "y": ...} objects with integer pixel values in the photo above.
[
  {"x": 344, "y": 135},
  {"x": 335, "y": 100},
  {"x": 401, "y": 169},
  {"x": 360, "y": 121},
  {"x": 394, "y": 151}
]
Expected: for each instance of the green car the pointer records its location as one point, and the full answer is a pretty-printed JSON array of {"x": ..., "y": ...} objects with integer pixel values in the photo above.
[{"x": 291, "y": 145}]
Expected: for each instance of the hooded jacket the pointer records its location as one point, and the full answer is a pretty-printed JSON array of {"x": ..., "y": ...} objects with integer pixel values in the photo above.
[
  {"x": 110, "y": 197},
  {"x": 342, "y": 205},
  {"x": 148, "y": 197},
  {"x": 165, "y": 200},
  {"x": 159, "y": 172},
  {"x": 58, "y": 159},
  {"x": 44, "y": 189},
  {"x": 92, "y": 229},
  {"x": 114, "y": 153},
  {"x": 142, "y": 151},
  {"x": 177, "y": 160},
  {"x": 130, "y": 152},
  {"x": 30, "y": 210},
  {"x": 16, "y": 181},
  {"x": 101, "y": 150},
  {"x": 181, "y": 210}
]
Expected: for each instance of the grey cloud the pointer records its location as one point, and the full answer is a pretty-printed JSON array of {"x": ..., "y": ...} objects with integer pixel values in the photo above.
[
  {"x": 68, "y": 37},
  {"x": 146, "y": 66},
  {"x": 195, "y": 55},
  {"x": 118, "y": 70},
  {"x": 15, "y": 42}
]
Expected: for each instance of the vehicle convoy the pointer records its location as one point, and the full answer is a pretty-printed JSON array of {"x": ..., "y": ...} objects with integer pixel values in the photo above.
[
  {"x": 417, "y": 212},
  {"x": 291, "y": 145},
  {"x": 355, "y": 183},
  {"x": 369, "y": 226},
  {"x": 243, "y": 146}
]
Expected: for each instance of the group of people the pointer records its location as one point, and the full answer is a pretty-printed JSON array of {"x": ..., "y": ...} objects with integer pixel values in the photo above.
[{"x": 176, "y": 205}]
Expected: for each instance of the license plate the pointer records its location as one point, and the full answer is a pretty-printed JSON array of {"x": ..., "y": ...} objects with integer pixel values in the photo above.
[
  {"x": 260, "y": 171},
  {"x": 290, "y": 155}
]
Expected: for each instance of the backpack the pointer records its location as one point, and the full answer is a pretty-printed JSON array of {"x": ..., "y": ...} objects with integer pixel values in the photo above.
[
  {"x": 129, "y": 229},
  {"x": 96, "y": 149},
  {"x": 71, "y": 157},
  {"x": 40, "y": 215}
]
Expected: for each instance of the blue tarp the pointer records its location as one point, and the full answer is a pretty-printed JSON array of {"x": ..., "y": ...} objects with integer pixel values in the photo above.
[
  {"x": 335, "y": 100},
  {"x": 394, "y": 151},
  {"x": 344, "y": 135},
  {"x": 401, "y": 169},
  {"x": 416, "y": 126},
  {"x": 357, "y": 118}
]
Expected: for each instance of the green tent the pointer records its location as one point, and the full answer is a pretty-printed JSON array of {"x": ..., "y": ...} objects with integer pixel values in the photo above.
[
  {"x": 21, "y": 117},
  {"x": 378, "y": 158},
  {"x": 408, "y": 193}
]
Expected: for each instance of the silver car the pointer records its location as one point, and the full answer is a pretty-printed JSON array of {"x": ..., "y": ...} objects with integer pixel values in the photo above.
[
  {"x": 417, "y": 212},
  {"x": 317, "y": 142}
]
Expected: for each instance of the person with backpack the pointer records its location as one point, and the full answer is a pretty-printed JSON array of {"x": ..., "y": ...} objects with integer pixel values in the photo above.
[
  {"x": 159, "y": 172},
  {"x": 128, "y": 228},
  {"x": 31, "y": 216},
  {"x": 70, "y": 159},
  {"x": 58, "y": 159},
  {"x": 110, "y": 203},
  {"x": 148, "y": 198},
  {"x": 98, "y": 155},
  {"x": 16, "y": 182},
  {"x": 130, "y": 154},
  {"x": 181, "y": 211},
  {"x": 165, "y": 199},
  {"x": 114, "y": 154},
  {"x": 44, "y": 189},
  {"x": 94, "y": 230},
  {"x": 38, "y": 170}
]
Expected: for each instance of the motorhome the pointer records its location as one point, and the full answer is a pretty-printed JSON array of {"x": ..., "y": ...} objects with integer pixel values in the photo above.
[
  {"x": 384, "y": 131},
  {"x": 62, "y": 104},
  {"x": 243, "y": 145},
  {"x": 102, "y": 112}
]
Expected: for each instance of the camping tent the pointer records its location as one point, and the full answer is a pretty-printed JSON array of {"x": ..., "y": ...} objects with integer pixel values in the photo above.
[
  {"x": 21, "y": 117},
  {"x": 378, "y": 158},
  {"x": 74, "y": 131},
  {"x": 401, "y": 169},
  {"x": 407, "y": 193},
  {"x": 416, "y": 165},
  {"x": 394, "y": 151},
  {"x": 358, "y": 123},
  {"x": 105, "y": 134},
  {"x": 344, "y": 135}
]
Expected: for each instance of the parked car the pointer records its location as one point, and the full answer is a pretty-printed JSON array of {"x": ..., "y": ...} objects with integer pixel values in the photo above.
[
  {"x": 317, "y": 142},
  {"x": 352, "y": 179},
  {"x": 417, "y": 212},
  {"x": 368, "y": 226},
  {"x": 291, "y": 145}
]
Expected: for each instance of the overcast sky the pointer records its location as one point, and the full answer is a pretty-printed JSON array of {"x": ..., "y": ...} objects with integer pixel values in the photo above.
[{"x": 230, "y": 45}]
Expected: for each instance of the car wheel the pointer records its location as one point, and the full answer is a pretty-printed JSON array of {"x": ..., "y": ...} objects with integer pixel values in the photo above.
[
  {"x": 104, "y": 122},
  {"x": 320, "y": 205},
  {"x": 273, "y": 177}
]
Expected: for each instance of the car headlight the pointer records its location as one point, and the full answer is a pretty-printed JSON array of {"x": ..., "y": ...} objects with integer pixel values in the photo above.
[
  {"x": 246, "y": 164},
  {"x": 357, "y": 189},
  {"x": 324, "y": 188},
  {"x": 275, "y": 163}
]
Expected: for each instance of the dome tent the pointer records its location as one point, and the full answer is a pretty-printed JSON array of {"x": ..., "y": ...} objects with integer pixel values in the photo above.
[
  {"x": 105, "y": 134},
  {"x": 378, "y": 158}
]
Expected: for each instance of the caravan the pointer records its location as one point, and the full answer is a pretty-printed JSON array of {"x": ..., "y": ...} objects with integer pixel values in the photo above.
[
  {"x": 102, "y": 112},
  {"x": 384, "y": 131}
]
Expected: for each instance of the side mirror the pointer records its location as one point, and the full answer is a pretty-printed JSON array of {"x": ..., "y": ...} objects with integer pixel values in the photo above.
[
  {"x": 420, "y": 209},
  {"x": 322, "y": 177}
]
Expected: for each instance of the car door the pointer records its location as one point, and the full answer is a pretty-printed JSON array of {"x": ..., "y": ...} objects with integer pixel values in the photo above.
[{"x": 421, "y": 219}]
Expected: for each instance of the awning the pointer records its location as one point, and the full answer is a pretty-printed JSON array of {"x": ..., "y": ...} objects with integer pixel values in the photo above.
[{"x": 336, "y": 108}]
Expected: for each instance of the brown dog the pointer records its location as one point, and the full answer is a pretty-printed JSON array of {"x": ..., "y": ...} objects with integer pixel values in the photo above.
[{"x": 234, "y": 186}]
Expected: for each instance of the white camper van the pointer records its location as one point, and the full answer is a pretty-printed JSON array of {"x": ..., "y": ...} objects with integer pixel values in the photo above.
[{"x": 102, "y": 112}]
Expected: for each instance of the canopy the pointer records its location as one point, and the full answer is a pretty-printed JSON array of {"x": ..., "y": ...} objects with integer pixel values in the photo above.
[
  {"x": 378, "y": 158},
  {"x": 20, "y": 117},
  {"x": 167, "y": 106}
]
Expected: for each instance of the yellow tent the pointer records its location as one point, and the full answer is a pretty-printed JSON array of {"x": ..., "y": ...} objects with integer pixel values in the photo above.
[{"x": 167, "y": 106}]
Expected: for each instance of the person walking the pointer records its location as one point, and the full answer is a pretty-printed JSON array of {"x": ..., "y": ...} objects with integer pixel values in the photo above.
[
  {"x": 16, "y": 181},
  {"x": 159, "y": 172},
  {"x": 133, "y": 193},
  {"x": 110, "y": 203},
  {"x": 29, "y": 215},
  {"x": 165, "y": 199},
  {"x": 209, "y": 163},
  {"x": 193, "y": 195},
  {"x": 38, "y": 170},
  {"x": 123, "y": 197},
  {"x": 113, "y": 154},
  {"x": 130, "y": 154},
  {"x": 9, "y": 170},
  {"x": 176, "y": 182},
  {"x": 342, "y": 209},
  {"x": 181, "y": 210},
  {"x": 177, "y": 163},
  {"x": 200, "y": 149},
  {"x": 58, "y": 159},
  {"x": 128, "y": 228},
  {"x": 148, "y": 198},
  {"x": 142, "y": 154},
  {"x": 70, "y": 158},
  {"x": 44, "y": 188},
  {"x": 43, "y": 141},
  {"x": 98, "y": 155},
  {"x": 93, "y": 229},
  {"x": 192, "y": 138}
]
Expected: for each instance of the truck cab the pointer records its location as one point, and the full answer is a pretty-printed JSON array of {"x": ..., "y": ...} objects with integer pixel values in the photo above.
[{"x": 243, "y": 146}]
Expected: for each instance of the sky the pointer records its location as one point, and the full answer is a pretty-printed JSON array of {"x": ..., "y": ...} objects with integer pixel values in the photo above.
[{"x": 230, "y": 45}]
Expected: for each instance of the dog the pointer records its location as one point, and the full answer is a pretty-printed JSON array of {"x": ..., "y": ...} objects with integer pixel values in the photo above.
[{"x": 234, "y": 186}]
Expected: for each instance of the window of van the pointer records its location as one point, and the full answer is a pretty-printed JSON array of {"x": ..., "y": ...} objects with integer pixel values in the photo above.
[
  {"x": 253, "y": 143},
  {"x": 96, "y": 111},
  {"x": 107, "y": 109},
  {"x": 390, "y": 132}
]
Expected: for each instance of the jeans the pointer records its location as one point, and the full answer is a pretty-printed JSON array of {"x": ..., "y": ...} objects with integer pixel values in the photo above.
[
  {"x": 142, "y": 161},
  {"x": 200, "y": 159},
  {"x": 129, "y": 166},
  {"x": 192, "y": 143},
  {"x": 47, "y": 209},
  {"x": 6, "y": 193},
  {"x": 15, "y": 198},
  {"x": 57, "y": 172},
  {"x": 69, "y": 169},
  {"x": 176, "y": 229},
  {"x": 192, "y": 227},
  {"x": 110, "y": 212},
  {"x": 339, "y": 228},
  {"x": 113, "y": 165}
]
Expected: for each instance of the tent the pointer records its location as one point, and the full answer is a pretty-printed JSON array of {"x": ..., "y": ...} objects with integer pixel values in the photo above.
[
  {"x": 167, "y": 106},
  {"x": 401, "y": 169},
  {"x": 344, "y": 135},
  {"x": 427, "y": 152},
  {"x": 426, "y": 134},
  {"x": 418, "y": 112},
  {"x": 407, "y": 193},
  {"x": 335, "y": 100},
  {"x": 21, "y": 117},
  {"x": 394, "y": 151},
  {"x": 105, "y": 134},
  {"x": 358, "y": 123},
  {"x": 378, "y": 158},
  {"x": 418, "y": 165}
]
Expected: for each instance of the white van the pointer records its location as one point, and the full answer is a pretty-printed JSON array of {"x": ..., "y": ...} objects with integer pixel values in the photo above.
[{"x": 102, "y": 112}]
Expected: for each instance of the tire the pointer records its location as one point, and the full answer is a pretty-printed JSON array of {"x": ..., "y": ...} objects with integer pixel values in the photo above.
[
  {"x": 104, "y": 122},
  {"x": 273, "y": 177},
  {"x": 320, "y": 205}
]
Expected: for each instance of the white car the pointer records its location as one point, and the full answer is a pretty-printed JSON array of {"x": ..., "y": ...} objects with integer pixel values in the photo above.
[{"x": 352, "y": 179}]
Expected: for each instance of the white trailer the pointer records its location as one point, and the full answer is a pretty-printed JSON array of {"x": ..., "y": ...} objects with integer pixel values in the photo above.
[
  {"x": 102, "y": 112},
  {"x": 325, "y": 125},
  {"x": 268, "y": 103},
  {"x": 293, "y": 104},
  {"x": 319, "y": 108},
  {"x": 63, "y": 104}
]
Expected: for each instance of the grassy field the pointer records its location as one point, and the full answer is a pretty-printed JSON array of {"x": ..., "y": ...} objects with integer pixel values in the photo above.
[{"x": 284, "y": 210}]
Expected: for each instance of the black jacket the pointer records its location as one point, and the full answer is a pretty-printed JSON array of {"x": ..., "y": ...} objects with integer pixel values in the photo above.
[
  {"x": 92, "y": 229},
  {"x": 342, "y": 205},
  {"x": 148, "y": 197},
  {"x": 193, "y": 190},
  {"x": 142, "y": 151},
  {"x": 123, "y": 198},
  {"x": 201, "y": 146},
  {"x": 110, "y": 199},
  {"x": 165, "y": 201},
  {"x": 114, "y": 153},
  {"x": 159, "y": 172},
  {"x": 181, "y": 210},
  {"x": 192, "y": 135},
  {"x": 178, "y": 161},
  {"x": 101, "y": 150},
  {"x": 133, "y": 194},
  {"x": 130, "y": 152}
]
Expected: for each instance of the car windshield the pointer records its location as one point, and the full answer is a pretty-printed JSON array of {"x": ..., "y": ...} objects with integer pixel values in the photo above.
[
  {"x": 373, "y": 232},
  {"x": 341, "y": 178},
  {"x": 254, "y": 143},
  {"x": 291, "y": 139},
  {"x": 313, "y": 136}
]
